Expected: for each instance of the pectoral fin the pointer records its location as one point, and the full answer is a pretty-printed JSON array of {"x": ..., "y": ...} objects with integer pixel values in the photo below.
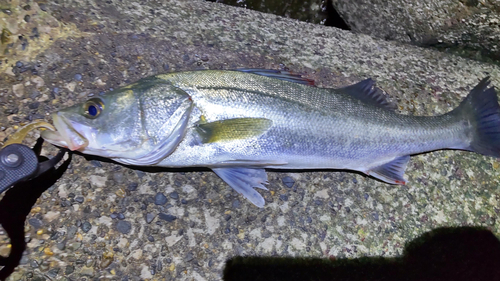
[
  {"x": 233, "y": 129},
  {"x": 391, "y": 172},
  {"x": 243, "y": 180}
]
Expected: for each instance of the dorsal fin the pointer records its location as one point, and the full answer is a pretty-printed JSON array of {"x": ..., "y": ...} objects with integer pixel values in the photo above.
[
  {"x": 279, "y": 74},
  {"x": 368, "y": 93}
]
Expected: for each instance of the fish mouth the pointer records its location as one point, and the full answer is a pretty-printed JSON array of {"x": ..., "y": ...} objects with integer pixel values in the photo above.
[{"x": 65, "y": 134}]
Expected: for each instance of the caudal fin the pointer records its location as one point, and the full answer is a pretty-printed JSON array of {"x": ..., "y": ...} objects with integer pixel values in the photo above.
[{"x": 483, "y": 112}]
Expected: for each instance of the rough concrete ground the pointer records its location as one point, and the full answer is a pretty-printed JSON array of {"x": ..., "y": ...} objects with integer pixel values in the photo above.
[
  {"x": 103, "y": 220},
  {"x": 469, "y": 28}
]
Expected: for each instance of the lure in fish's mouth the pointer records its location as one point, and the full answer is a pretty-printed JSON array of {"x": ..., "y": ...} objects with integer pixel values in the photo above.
[{"x": 65, "y": 134}]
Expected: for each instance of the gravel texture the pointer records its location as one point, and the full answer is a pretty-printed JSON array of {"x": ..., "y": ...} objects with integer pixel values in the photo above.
[{"x": 107, "y": 223}]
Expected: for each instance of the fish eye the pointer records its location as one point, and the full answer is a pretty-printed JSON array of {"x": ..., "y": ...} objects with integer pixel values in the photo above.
[{"x": 93, "y": 108}]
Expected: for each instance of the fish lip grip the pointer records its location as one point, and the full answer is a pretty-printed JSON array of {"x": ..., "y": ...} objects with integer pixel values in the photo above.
[{"x": 18, "y": 163}]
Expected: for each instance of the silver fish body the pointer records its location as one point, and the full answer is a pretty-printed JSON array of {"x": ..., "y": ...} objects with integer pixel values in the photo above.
[
  {"x": 239, "y": 123},
  {"x": 312, "y": 127}
]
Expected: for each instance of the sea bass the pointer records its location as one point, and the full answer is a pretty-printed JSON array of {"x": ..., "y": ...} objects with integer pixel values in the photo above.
[{"x": 239, "y": 123}]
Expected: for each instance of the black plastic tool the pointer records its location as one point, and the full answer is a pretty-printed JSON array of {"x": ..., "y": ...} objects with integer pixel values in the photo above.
[
  {"x": 25, "y": 175},
  {"x": 18, "y": 163}
]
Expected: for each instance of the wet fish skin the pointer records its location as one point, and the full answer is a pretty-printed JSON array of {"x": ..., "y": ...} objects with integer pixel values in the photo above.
[{"x": 239, "y": 123}]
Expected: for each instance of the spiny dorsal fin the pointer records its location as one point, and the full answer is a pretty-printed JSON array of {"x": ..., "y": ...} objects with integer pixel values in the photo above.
[
  {"x": 279, "y": 74},
  {"x": 391, "y": 172},
  {"x": 233, "y": 129},
  {"x": 368, "y": 93}
]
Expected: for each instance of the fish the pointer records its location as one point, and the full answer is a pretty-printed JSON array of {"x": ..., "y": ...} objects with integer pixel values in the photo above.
[{"x": 238, "y": 123}]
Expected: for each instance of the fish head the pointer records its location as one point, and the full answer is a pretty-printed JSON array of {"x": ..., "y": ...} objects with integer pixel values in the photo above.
[
  {"x": 100, "y": 124},
  {"x": 118, "y": 124}
]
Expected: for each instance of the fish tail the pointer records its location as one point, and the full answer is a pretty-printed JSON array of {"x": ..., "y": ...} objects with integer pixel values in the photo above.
[{"x": 482, "y": 111}]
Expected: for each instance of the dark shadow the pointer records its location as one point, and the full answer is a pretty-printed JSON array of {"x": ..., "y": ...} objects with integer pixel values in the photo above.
[
  {"x": 333, "y": 18},
  {"x": 465, "y": 253},
  {"x": 156, "y": 169},
  {"x": 15, "y": 207},
  {"x": 293, "y": 9},
  {"x": 149, "y": 169}
]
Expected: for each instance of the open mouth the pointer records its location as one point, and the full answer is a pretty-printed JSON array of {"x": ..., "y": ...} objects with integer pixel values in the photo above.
[{"x": 65, "y": 135}]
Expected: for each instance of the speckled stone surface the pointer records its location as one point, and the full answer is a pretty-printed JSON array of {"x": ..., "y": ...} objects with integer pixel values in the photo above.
[
  {"x": 108, "y": 222},
  {"x": 467, "y": 27}
]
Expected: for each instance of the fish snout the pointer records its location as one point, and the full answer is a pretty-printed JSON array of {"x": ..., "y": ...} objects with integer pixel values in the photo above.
[{"x": 65, "y": 134}]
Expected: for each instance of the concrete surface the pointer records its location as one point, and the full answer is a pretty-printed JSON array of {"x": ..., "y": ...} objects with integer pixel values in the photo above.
[{"x": 469, "y": 28}]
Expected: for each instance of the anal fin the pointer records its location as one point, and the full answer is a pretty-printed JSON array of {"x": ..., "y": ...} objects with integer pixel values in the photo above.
[
  {"x": 243, "y": 180},
  {"x": 391, "y": 172}
]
